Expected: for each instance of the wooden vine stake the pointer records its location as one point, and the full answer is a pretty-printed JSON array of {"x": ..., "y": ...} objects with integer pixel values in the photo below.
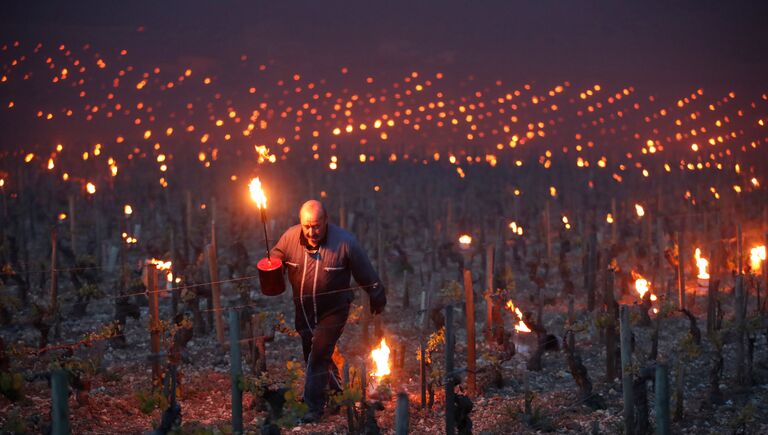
[
  {"x": 680, "y": 270},
  {"x": 213, "y": 267},
  {"x": 59, "y": 405},
  {"x": 54, "y": 279},
  {"x": 188, "y": 225},
  {"x": 154, "y": 322},
  {"x": 235, "y": 371},
  {"x": 423, "y": 374},
  {"x": 450, "y": 422},
  {"x": 626, "y": 373},
  {"x": 765, "y": 265},
  {"x": 614, "y": 226},
  {"x": 739, "y": 249},
  {"x": 72, "y": 226},
  {"x": 741, "y": 370},
  {"x": 489, "y": 325},
  {"x": 712, "y": 288},
  {"x": 471, "y": 358},
  {"x": 401, "y": 414},
  {"x": 662, "y": 399},
  {"x": 547, "y": 233},
  {"x": 610, "y": 329}
]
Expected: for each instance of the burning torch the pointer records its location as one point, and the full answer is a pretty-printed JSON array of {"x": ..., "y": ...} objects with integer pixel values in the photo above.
[
  {"x": 258, "y": 196},
  {"x": 270, "y": 270}
]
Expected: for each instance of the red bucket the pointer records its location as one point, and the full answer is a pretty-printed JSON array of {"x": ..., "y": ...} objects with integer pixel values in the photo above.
[{"x": 271, "y": 276}]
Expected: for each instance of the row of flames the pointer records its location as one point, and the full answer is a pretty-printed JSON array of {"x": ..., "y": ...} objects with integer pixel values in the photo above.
[
  {"x": 380, "y": 355},
  {"x": 643, "y": 286},
  {"x": 756, "y": 259}
]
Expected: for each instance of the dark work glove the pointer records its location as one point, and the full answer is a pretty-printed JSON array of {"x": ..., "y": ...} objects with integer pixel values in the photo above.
[{"x": 378, "y": 301}]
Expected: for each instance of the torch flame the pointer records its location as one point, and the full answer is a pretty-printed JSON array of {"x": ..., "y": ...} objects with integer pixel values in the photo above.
[
  {"x": 465, "y": 240},
  {"x": 257, "y": 193},
  {"x": 756, "y": 256},
  {"x": 702, "y": 264},
  {"x": 380, "y": 357},
  {"x": 521, "y": 326}
]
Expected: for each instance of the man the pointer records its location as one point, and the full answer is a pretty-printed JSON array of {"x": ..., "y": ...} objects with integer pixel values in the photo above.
[{"x": 320, "y": 258}]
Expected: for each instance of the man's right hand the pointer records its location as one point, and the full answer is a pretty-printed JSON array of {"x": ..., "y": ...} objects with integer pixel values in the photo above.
[{"x": 378, "y": 302}]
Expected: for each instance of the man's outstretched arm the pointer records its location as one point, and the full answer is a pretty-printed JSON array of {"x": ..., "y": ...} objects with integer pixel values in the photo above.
[{"x": 366, "y": 276}]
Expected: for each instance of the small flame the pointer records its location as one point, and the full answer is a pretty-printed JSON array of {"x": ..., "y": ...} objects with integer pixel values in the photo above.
[
  {"x": 521, "y": 326},
  {"x": 90, "y": 188},
  {"x": 160, "y": 264},
  {"x": 609, "y": 218},
  {"x": 640, "y": 210},
  {"x": 128, "y": 210},
  {"x": 380, "y": 357},
  {"x": 642, "y": 286},
  {"x": 516, "y": 229},
  {"x": 756, "y": 256},
  {"x": 702, "y": 263},
  {"x": 257, "y": 193},
  {"x": 264, "y": 154},
  {"x": 465, "y": 240}
]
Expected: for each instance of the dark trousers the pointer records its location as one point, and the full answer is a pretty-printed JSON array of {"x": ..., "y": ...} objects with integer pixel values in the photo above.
[{"x": 318, "y": 342}]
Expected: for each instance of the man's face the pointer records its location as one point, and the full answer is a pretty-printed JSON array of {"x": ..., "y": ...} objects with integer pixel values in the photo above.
[{"x": 313, "y": 226}]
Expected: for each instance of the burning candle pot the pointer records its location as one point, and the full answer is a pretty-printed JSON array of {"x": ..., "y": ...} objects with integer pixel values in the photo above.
[
  {"x": 270, "y": 269},
  {"x": 702, "y": 278},
  {"x": 524, "y": 341},
  {"x": 382, "y": 370}
]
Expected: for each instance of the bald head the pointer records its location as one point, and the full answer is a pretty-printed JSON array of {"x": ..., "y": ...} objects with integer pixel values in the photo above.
[{"x": 313, "y": 219}]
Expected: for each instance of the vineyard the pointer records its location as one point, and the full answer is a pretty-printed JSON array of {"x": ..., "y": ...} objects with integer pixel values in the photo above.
[{"x": 559, "y": 256}]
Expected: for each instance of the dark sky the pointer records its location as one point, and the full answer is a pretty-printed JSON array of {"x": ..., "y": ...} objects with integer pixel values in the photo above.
[{"x": 652, "y": 43}]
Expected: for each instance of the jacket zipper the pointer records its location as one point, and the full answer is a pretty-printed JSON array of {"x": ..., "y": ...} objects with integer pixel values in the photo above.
[
  {"x": 301, "y": 292},
  {"x": 314, "y": 284}
]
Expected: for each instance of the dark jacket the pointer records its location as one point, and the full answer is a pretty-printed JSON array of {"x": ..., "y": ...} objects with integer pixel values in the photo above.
[{"x": 322, "y": 280}]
